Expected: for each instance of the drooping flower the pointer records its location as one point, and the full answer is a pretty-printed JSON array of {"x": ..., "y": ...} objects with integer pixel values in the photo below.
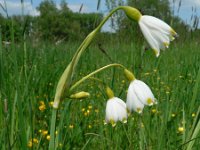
[
  {"x": 133, "y": 103},
  {"x": 139, "y": 94},
  {"x": 115, "y": 111},
  {"x": 157, "y": 33}
]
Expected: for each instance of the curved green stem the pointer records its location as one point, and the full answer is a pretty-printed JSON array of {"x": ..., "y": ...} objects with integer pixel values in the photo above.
[
  {"x": 98, "y": 80},
  {"x": 93, "y": 73},
  {"x": 89, "y": 38}
]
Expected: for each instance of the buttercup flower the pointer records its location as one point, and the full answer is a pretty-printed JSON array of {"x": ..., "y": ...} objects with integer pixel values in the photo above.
[
  {"x": 157, "y": 33},
  {"x": 115, "y": 111},
  {"x": 139, "y": 94}
]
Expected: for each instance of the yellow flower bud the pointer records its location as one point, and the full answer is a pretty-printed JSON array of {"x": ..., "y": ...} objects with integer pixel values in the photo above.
[
  {"x": 109, "y": 92},
  {"x": 132, "y": 13},
  {"x": 129, "y": 75},
  {"x": 80, "y": 95}
]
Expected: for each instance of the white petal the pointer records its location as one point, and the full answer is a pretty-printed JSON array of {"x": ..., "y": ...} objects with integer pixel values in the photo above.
[
  {"x": 161, "y": 38},
  {"x": 115, "y": 110},
  {"x": 154, "y": 22},
  {"x": 143, "y": 92},
  {"x": 161, "y": 33},
  {"x": 150, "y": 39},
  {"x": 133, "y": 102}
]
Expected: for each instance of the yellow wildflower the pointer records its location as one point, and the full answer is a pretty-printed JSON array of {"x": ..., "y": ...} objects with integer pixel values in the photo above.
[
  {"x": 154, "y": 111},
  {"x": 90, "y": 107},
  {"x": 89, "y": 126},
  {"x": 48, "y": 137},
  {"x": 193, "y": 115},
  {"x": 44, "y": 132},
  {"x": 181, "y": 129},
  {"x": 30, "y": 144},
  {"x": 51, "y": 103},
  {"x": 173, "y": 115},
  {"x": 35, "y": 140},
  {"x": 42, "y": 106},
  {"x": 71, "y": 126}
]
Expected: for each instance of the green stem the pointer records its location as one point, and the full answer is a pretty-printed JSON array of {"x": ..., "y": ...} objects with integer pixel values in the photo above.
[
  {"x": 93, "y": 73},
  {"x": 87, "y": 39},
  {"x": 52, "y": 130}
]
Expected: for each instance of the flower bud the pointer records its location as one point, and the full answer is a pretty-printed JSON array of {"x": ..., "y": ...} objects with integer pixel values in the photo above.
[
  {"x": 129, "y": 75},
  {"x": 80, "y": 95},
  {"x": 132, "y": 13},
  {"x": 109, "y": 92}
]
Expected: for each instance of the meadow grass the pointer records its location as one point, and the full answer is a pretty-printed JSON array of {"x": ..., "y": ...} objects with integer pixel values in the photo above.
[{"x": 29, "y": 76}]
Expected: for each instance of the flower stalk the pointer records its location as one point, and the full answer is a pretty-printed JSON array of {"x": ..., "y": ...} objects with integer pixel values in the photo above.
[{"x": 93, "y": 73}]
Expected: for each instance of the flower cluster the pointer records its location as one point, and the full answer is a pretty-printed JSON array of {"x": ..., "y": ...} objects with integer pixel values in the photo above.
[
  {"x": 138, "y": 95},
  {"x": 158, "y": 34}
]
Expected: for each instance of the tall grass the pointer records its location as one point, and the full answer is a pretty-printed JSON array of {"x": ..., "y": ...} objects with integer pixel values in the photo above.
[{"x": 173, "y": 78}]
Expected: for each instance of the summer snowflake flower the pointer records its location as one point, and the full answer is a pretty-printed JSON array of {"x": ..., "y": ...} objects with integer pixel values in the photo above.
[
  {"x": 157, "y": 33},
  {"x": 115, "y": 111},
  {"x": 139, "y": 94}
]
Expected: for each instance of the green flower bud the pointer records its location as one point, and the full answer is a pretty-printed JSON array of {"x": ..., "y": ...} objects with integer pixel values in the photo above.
[
  {"x": 132, "y": 13},
  {"x": 80, "y": 95},
  {"x": 109, "y": 92},
  {"x": 129, "y": 75}
]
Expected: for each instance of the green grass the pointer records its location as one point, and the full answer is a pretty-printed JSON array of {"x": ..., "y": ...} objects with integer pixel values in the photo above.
[{"x": 27, "y": 79}]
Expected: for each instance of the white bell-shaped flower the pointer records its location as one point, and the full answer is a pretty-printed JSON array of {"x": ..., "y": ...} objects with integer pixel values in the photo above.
[
  {"x": 157, "y": 33},
  {"x": 116, "y": 111},
  {"x": 133, "y": 103},
  {"x": 138, "y": 95}
]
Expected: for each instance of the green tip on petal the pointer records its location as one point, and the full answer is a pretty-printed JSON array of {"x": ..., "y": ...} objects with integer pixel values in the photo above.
[
  {"x": 173, "y": 32},
  {"x": 149, "y": 101},
  {"x": 139, "y": 110},
  {"x": 124, "y": 120},
  {"x": 156, "y": 52},
  {"x": 113, "y": 123},
  {"x": 166, "y": 44}
]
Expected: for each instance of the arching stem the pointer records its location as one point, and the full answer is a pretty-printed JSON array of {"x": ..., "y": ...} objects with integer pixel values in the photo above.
[{"x": 93, "y": 73}]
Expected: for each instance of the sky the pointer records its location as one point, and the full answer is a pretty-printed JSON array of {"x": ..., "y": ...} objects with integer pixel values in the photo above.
[
  {"x": 14, "y": 7},
  {"x": 187, "y": 9}
]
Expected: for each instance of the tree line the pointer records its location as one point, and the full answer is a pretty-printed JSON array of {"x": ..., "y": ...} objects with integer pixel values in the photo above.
[{"x": 52, "y": 24}]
